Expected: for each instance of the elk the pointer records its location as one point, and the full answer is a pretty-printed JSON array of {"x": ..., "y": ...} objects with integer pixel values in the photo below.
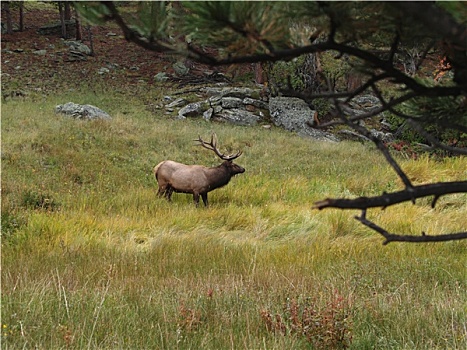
[{"x": 196, "y": 179}]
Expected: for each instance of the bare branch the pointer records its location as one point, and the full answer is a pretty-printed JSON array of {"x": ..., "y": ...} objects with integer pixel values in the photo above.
[
  {"x": 132, "y": 35},
  {"x": 424, "y": 238},
  {"x": 394, "y": 46},
  {"x": 368, "y": 57},
  {"x": 372, "y": 113},
  {"x": 379, "y": 144},
  {"x": 424, "y": 54},
  {"x": 387, "y": 199},
  {"x": 287, "y": 54},
  {"x": 435, "y": 142}
]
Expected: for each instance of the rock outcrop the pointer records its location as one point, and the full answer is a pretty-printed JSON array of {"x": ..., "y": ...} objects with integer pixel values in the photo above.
[
  {"x": 239, "y": 106},
  {"x": 250, "y": 107},
  {"x": 295, "y": 115},
  {"x": 86, "y": 112}
]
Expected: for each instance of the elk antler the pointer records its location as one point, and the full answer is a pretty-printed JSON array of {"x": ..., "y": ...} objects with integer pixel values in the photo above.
[{"x": 213, "y": 147}]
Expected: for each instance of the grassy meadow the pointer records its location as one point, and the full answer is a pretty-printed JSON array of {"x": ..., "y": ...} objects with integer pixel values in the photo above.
[{"x": 92, "y": 259}]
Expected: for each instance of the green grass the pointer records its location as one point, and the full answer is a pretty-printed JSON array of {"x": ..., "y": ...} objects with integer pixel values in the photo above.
[{"x": 91, "y": 258}]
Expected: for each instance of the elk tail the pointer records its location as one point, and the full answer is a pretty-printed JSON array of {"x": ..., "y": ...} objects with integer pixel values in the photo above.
[{"x": 156, "y": 168}]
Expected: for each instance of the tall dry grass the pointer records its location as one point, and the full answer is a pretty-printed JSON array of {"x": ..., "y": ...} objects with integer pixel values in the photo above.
[{"x": 91, "y": 258}]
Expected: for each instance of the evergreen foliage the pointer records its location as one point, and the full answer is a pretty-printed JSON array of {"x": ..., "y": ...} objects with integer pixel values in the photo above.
[{"x": 237, "y": 26}]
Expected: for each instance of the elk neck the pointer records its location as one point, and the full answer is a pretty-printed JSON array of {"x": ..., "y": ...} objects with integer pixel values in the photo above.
[{"x": 220, "y": 175}]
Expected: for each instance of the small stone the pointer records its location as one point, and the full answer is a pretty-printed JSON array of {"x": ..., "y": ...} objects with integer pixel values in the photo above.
[
  {"x": 180, "y": 68},
  {"x": 161, "y": 77},
  {"x": 208, "y": 114},
  {"x": 179, "y": 102},
  {"x": 103, "y": 70}
]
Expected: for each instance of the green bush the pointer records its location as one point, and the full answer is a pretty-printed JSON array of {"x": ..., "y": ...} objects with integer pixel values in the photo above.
[
  {"x": 436, "y": 116},
  {"x": 10, "y": 224},
  {"x": 36, "y": 200}
]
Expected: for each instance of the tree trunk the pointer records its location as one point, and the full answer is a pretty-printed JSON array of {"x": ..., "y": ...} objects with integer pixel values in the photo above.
[
  {"x": 62, "y": 19},
  {"x": 21, "y": 16},
  {"x": 259, "y": 73},
  {"x": 9, "y": 22},
  {"x": 79, "y": 35},
  {"x": 67, "y": 11},
  {"x": 91, "y": 45}
]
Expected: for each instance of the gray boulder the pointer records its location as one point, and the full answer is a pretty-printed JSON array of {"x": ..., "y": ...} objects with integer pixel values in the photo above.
[
  {"x": 255, "y": 103},
  {"x": 231, "y": 102},
  {"x": 161, "y": 77},
  {"x": 365, "y": 102},
  {"x": 360, "y": 105},
  {"x": 180, "y": 68},
  {"x": 56, "y": 28},
  {"x": 78, "y": 46},
  {"x": 208, "y": 114},
  {"x": 40, "y": 52},
  {"x": 179, "y": 102},
  {"x": 193, "y": 110},
  {"x": 239, "y": 92},
  {"x": 86, "y": 112},
  {"x": 295, "y": 115},
  {"x": 237, "y": 116}
]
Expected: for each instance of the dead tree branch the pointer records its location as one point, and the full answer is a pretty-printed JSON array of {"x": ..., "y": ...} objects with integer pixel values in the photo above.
[
  {"x": 379, "y": 144},
  {"x": 436, "y": 190},
  {"x": 423, "y": 238}
]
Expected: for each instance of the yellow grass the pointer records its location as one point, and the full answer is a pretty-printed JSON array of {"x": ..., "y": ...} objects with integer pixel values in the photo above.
[{"x": 109, "y": 265}]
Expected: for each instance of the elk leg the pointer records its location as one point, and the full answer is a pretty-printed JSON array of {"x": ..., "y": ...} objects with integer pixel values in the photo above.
[
  {"x": 196, "y": 198},
  {"x": 204, "y": 196},
  {"x": 168, "y": 193},
  {"x": 161, "y": 191}
]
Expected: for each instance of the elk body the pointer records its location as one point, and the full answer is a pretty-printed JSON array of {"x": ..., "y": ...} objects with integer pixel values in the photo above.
[{"x": 196, "y": 179}]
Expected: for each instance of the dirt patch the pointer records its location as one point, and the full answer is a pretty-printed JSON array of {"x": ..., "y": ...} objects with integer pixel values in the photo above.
[{"x": 43, "y": 63}]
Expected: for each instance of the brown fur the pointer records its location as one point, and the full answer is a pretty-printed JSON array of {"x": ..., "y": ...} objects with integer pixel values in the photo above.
[{"x": 195, "y": 179}]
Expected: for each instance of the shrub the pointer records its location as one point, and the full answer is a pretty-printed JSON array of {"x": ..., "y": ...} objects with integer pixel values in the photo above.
[
  {"x": 325, "y": 327},
  {"x": 35, "y": 200},
  {"x": 10, "y": 224},
  {"x": 440, "y": 117},
  {"x": 298, "y": 74}
]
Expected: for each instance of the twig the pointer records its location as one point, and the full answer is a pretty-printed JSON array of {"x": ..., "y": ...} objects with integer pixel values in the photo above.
[
  {"x": 387, "y": 199},
  {"x": 423, "y": 238},
  {"x": 61, "y": 289},
  {"x": 435, "y": 142},
  {"x": 131, "y": 34},
  {"x": 376, "y": 111},
  {"x": 379, "y": 144},
  {"x": 394, "y": 46},
  {"x": 99, "y": 308}
]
